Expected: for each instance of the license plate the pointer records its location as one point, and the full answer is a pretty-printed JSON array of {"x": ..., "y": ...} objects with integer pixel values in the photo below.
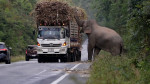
[
  {"x": 45, "y": 50},
  {"x": 51, "y": 50},
  {"x": 33, "y": 55}
]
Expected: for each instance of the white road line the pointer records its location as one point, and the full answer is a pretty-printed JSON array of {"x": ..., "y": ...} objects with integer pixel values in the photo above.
[
  {"x": 63, "y": 76},
  {"x": 41, "y": 72}
]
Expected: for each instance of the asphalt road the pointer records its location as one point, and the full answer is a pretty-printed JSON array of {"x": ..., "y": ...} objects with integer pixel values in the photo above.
[{"x": 32, "y": 72}]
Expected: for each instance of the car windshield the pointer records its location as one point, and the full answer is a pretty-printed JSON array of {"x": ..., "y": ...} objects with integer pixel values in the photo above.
[
  {"x": 50, "y": 33},
  {"x": 31, "y": 48},
  {"x": 2, "y": 46}
]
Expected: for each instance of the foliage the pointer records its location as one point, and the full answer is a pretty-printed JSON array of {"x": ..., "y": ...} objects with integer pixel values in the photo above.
[
  {"x": 86, "y": 4},
  {"x": 117, "y": 70},
  {"x": 112, "y": 14},
  {"x": 17, "y": 58},
  {"x": 16, "y": 25},
  {"x": 139, "y": 25},
  {"x": 131, "y": 19}
]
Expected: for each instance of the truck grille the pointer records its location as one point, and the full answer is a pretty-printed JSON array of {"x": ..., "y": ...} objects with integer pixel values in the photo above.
[{"x": 51, "y": 45}]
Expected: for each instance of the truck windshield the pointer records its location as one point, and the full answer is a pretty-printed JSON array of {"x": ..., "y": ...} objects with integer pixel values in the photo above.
[{"x": 50, "y": 33}]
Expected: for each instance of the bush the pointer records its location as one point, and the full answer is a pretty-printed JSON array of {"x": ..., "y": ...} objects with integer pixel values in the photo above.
[{"x": 109, "y": 69}]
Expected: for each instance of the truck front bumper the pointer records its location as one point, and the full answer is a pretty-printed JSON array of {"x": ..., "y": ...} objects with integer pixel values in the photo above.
[{"x": 52, "y": 50}]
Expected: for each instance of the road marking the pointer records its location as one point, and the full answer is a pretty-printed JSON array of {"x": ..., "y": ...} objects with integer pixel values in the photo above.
[
  {"x": 41, "y": 72},
  {"x": 63, "y": 76}
]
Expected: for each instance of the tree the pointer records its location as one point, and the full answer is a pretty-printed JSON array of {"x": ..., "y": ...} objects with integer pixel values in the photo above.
[{"x": 16, "y": 25}]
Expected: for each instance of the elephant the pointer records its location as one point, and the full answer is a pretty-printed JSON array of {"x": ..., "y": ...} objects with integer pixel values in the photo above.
[{"x": 100, "y": 38}]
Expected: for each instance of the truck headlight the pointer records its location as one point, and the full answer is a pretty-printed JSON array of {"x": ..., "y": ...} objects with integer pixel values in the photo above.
[{"x": 64, "y": 44}]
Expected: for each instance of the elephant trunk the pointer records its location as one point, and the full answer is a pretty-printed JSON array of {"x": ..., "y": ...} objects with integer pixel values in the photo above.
[{"x": 79, "y": 22}]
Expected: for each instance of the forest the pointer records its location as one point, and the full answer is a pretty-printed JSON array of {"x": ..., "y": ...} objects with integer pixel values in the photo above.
[
  {"x": 130, "y": 18},
  {"x": 16, "y": 24}
]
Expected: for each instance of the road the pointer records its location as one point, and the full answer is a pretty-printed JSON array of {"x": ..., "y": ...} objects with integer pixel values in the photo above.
[{"x": 33, "y": 72}]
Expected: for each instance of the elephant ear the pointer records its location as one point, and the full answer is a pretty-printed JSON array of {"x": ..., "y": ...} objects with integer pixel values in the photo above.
[{"x": 87, "y": 31}]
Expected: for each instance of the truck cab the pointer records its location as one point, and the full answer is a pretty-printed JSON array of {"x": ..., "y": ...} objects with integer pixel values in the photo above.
[{"x": 52, "y": 41}]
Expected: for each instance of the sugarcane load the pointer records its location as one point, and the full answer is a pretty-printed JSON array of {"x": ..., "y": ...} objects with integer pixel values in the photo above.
[
  {"x": 59, "y": 35},
  {"x": 53, "y": 13}
]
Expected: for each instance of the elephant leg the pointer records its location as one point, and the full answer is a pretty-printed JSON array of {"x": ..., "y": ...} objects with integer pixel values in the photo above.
[
  {"x": 96, "y": 52},
  {"x": 90, "y": 53},
  {"x": 91, "y": 45}
]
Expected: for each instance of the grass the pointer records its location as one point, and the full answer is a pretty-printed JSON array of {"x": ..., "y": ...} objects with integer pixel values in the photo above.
[
  {"x": 107, "y": 69},
  {"x": 17, "y": 58}
]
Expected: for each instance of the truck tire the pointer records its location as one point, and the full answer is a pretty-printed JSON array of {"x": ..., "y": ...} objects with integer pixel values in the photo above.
[
  {"x": 68, "y": 57},
  {"x": 79, "y": 56},
  {"x": 63, "y": 58},
  {"x": 39, "y": 59},
  {"x": 73, "y": 57}
]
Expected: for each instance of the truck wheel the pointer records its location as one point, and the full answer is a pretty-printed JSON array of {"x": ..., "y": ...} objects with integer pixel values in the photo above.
[
  {"x": 73, "y": 57},
  {"x": 39, "y": 59},
  {"x": 27, "y": 58},
  {"x": 79, "y": 56},
  {"x": 63, "y": 59},
  {"x": 68, "y": 57}
]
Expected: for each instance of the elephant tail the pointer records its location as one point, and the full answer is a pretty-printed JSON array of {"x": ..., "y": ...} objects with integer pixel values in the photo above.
[{"x": 121, "y": 48}]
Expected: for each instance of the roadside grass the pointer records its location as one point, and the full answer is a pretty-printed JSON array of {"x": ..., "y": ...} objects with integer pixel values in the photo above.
[
  {"x": 107, "y": 69},
  {"x": 17, "y": 58}
]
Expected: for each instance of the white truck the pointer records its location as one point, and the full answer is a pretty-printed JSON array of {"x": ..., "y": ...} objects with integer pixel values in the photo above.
[{"x": 59, "y": 42}]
